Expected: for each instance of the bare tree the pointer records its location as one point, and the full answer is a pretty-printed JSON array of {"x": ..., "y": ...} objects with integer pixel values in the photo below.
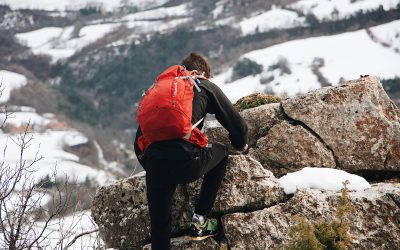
[{"x": 32, "y": 215}]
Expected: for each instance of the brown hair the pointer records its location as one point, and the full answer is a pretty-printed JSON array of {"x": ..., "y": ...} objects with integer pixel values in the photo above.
[{"x": 196, "y": 61}]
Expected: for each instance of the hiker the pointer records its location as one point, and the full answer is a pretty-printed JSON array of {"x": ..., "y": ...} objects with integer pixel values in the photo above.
[{"x": 185, "y": 159}]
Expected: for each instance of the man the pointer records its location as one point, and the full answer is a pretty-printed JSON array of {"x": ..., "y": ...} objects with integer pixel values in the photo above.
[{"x": 171, "y": 162}]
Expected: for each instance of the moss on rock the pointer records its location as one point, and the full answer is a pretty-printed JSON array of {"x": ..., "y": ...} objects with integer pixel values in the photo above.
[{"x": 255, "y": 100}]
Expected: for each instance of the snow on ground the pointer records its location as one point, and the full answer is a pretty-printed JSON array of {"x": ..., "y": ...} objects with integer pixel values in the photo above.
[
  {"x": 148, "y": 27},
  {"x": 40, "y": 37},
  {"x": 17, "y": 199},
  {"x": 342, "y": 57},
  {"x": 388, "y": 34},
  {"x": 58, "y": 43},
  {"x": 67, "y": 228},
  {"x": 160, "y": 13},
  {"x": 49, "y": 145},
  {"x": 273, "y": 19},
  {"x": 8, "y": 82},
  {"x": 340, "y": 9},
  {"x": 65, "y": 5},
  {"x": 19, "y": 119},
  {"x": 323, "y": 179}
]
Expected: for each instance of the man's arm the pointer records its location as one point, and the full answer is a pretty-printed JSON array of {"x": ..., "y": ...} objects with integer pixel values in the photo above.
[{"x": 227, "y": 115}]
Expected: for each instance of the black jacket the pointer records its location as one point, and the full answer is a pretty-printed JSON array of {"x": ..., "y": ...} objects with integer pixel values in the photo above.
[{"x": 211, "y": 100}]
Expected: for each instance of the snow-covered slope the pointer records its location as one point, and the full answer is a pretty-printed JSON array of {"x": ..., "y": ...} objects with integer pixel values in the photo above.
[
  {"x": 10, "y": 81},
  {"x": 336, "y": 58},
  {"x": 48, "y": 144},
  {"x": 59, "y": 43},
  {"x": 274, "y": 19},
  {"x": 49, "y": 139},
  {"x": 340, "y": 9},
  {"x": 68, "y": 5}
]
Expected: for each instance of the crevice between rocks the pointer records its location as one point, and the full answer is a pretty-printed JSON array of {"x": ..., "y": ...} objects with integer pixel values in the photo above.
[
  {"x": 297, "y": 122},
  {"x": 387, "y": 158},
  {"x": 220, "y": 238},
  {"x": 394, "y": 200},
  {"x": 377, "y": 176}
]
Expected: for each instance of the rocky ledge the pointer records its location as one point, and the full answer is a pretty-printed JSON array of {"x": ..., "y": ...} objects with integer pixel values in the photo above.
[{"x": 354, "y": 127}]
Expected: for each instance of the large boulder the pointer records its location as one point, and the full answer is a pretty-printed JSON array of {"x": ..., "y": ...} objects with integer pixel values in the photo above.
[
  {"x": 259, "y": 121},
  {"x": 356, "y": 123},
  {"x": 288, "y": 148},
  {"x": 246, "y": 186},
  {"x": 120, "y": 210},
  {"x": 375, "y": 223},
  {"x": 121, "y": 213},
  {"x": 356, "y": 120}
]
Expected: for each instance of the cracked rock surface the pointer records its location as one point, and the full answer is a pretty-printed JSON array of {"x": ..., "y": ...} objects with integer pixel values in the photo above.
[
  {"x": 288, "y": 148},
  {"x": 375, "y": 223},
  {"x": 120, "y": 210},
  {"x": 357, "y": 120},
  {"x": 354, "y": 126},
  {"x": 259, "y": 120},
  {"x": 246, "y": 185}
]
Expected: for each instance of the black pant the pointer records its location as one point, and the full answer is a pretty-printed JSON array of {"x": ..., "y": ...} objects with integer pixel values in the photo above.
[{"x": 162, "y": 177}]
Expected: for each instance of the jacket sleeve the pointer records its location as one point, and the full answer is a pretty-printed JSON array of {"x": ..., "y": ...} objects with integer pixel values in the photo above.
[
  {"x": 228, "y": 116},
  {"x": 138, "y": 152}
]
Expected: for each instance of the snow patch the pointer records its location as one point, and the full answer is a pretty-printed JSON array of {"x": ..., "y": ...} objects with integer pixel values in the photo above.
[
  {"x": 271, "y": 20},
  {"x": 323, "y": 179},
  {"x": 340, "y": 9},
  {"x": 69, "y": 5},
  {"x": 160, "y": 13},
  {"x": 58, "y": 42},
  {"x": 10, "y": 81}
]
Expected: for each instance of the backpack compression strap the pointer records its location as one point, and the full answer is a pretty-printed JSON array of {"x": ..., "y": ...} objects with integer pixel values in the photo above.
[{"x": 187, "y": 136}]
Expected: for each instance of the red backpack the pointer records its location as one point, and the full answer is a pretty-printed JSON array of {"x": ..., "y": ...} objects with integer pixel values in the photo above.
[{"x": 165, "y": 112}]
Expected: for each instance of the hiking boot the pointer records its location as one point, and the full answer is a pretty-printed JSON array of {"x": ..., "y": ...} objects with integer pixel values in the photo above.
[{"x": 203, "y": 231}]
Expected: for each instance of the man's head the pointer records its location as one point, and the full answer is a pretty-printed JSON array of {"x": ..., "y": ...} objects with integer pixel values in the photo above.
[{"x": 195, "y": 61}]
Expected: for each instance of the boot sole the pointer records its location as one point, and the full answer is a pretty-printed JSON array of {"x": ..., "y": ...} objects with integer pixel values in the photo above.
[{"x": 199, "y": 238}]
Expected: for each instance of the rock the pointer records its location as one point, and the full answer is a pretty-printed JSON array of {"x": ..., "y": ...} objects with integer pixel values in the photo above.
[
  {"x": 288, "y": 148},
  {"x": 375, "y": 223},
  {"x": 356, "y": 120},
  {"x": 246, "y": 186},
  {"x": 121, "y": 213},
  {"x": 255, "y": 100},
  {"x": 259, "y": 120},
  {"x": 184, "y": 243},
  {"x": 120, "y": 210}
]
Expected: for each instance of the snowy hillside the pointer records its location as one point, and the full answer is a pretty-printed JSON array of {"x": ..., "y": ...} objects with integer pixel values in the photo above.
[
  {"x": 10, "y": 81},
  {"x": 339, "y": 9},
  {"x": 70, "y": 5},
  {"x": 333, "y": 58},
  {"x": 60, "y": 43}
]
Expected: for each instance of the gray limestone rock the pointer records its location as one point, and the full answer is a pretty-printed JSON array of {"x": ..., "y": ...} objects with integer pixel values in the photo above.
[
  {"x": 246, "y": 185},
  {"x": 375, "y": 223},
  {"x": 259, "y": 120},
  {"x": 357, "y": 120},
  {"x": 288, "y": 148},
  {"x": 120, "y": 210}
]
